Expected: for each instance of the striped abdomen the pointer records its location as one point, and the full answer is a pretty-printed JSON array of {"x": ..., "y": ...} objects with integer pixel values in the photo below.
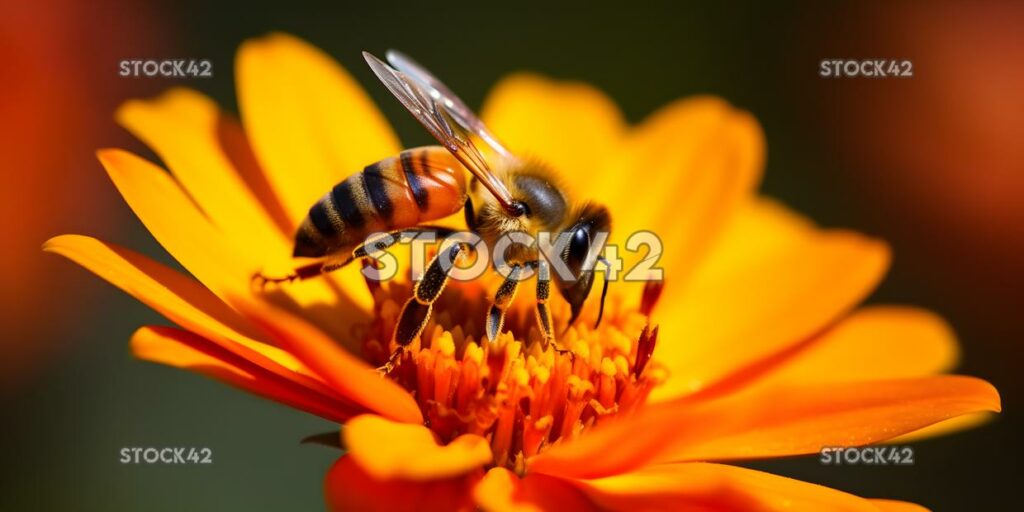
[{"x": 417, "y": 186}]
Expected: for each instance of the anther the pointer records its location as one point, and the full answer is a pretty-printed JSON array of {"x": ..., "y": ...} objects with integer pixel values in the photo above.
[
  {"x": 651, "y": 294},
  {"x": 644, "y": 349}
]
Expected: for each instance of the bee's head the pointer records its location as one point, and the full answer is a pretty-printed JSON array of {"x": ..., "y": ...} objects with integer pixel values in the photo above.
[{"x": 581, "y": 253}]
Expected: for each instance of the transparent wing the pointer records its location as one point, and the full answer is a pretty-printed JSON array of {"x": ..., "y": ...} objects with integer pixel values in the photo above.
[
  {"x": 440, "y": 93},
  {"x": 431, "y": 108}
]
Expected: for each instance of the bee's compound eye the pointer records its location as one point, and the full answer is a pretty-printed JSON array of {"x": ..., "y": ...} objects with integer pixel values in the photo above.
[
  {"x": 518, "y": 209},
  {"x": 579, "y": 247}
]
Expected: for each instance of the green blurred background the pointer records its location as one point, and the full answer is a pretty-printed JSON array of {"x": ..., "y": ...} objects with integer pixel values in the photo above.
[{"x": 934, "y": 164}]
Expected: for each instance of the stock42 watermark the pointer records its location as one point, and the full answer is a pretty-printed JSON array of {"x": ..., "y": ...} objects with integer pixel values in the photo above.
[
  {"x": 551, "y": 247},
  {"x": 866, "y": 68},
  {"x": 166, "y": 68},
  {"x": 165, "y": 455},
  {"x": 867, "y": 456}
]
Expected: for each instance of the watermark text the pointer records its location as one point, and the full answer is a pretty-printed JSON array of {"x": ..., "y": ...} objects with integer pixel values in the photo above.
[
  {"x": 166, "y": 68},
  {"x": 866, "y": 456},
  {"x": 165, "y": 455}
]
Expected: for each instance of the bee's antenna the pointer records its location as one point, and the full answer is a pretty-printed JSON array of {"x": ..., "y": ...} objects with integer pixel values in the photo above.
[{"x": 604, "y": 290}]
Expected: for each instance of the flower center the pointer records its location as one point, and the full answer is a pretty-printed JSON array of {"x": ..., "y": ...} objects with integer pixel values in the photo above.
[{"x": 516, "y": 392}]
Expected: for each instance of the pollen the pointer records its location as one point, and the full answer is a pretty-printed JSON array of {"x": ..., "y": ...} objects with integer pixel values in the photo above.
[{"x": 520, "y": 393}]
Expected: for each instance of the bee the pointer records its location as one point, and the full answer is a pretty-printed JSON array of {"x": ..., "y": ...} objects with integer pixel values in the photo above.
[{"x": 506, "y": 194}]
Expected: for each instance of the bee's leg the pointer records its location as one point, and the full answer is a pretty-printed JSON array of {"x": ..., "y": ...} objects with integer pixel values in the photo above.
[
  {"x": 502, "y": 298},
  {"x": 361, "y": 251},
  {"x": 416, "y": 311},
  {"x": 260, "y": 281},
  {"x": 544, "y": 322},
  {"x": 543, "y": 293},
  {"x": 386, "y": 368}
]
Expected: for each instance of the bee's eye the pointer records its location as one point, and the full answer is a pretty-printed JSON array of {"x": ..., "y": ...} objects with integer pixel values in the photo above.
[
  {"x": 579, "y": 248},
  {"x": 519, "y": 208}
]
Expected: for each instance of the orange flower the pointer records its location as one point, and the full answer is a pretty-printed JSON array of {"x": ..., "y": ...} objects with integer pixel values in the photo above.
[{"x": 759, "y": 350}]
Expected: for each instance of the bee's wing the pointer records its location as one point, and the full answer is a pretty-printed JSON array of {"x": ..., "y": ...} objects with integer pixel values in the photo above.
[
  {"x": 454, "y": 106},
  {"x": 441, "y": 116}
]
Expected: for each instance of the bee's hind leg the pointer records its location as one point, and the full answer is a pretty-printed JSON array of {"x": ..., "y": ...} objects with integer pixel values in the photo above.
[
  {"x": 363, "y": 250},
  {"x": 260, "y": 280}
]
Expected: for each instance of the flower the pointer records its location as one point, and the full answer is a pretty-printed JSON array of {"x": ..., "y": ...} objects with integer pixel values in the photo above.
[{"x": 758, "y": 350}]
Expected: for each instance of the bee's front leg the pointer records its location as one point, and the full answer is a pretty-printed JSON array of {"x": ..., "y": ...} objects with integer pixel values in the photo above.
[
  {"x": 416, "y": 311},
  {"x": 544, "y": 321},
  {"x": 502, "y": 299},
  {"x": 543, "y": 293}
]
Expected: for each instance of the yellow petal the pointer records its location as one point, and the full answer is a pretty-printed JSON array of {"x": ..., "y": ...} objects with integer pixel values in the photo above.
[
  {"x": 183, "y": 349},
  {"x": 349, "y": 376},
  {"x": 205, "y": 251},
  {"x": 183, "y": 301},
  {"x": 773, "y": 422},
  {"x": 501, "y": 490},
  {"x": 173, "y": 219},
  {"x": 682, "y": 174},
  {"x": 706, "y": 487},
  {"x": 184, "y": 128},
  {"x": 174, "y": 295},
  {"x": 388, "y": 450},
  {"x": 349, "y": 487},
  {"x": 571, "y": 126},
  {"x": 310, "y": 123},
  {"x": 759, "y": 294},
  {"x": 942, "y": 428},
  {"x": 877, "y": 342}
]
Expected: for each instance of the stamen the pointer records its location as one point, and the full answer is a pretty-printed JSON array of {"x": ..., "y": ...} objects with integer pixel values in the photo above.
[
  {"x": 645, "y": 348},
  {"x": 519, "y": 393},
  {"x": 651, "y": 294}
]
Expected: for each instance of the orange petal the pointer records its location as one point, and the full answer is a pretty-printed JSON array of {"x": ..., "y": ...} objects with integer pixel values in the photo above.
[
  {"x": 348, "y": 487},
  {"x": 897, "y": 506},
  {"x": 173, "y": 219},
  {"x": 310, "y": 123},
  {"x": 768, "y": 422},
  {"x": 715, "y": 487},
  {"x": 348, "y": 375},
  {"x": 501, "y": 490},
  {"x": 569, "y": 125},
  {"x": 183, "y": 349},
  {"x": 183, "y": 127},
  {"x": 388, "y": 450},
  {"x": 183, "y": 301},
  {"x": 772, "y": 281}
]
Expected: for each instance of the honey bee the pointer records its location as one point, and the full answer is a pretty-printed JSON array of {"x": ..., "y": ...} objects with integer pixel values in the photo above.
[{"x": 506, "y": 195}]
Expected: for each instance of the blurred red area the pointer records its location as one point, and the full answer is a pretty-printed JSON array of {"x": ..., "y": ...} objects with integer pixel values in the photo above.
[
  {"x": 59, "y": 85},
  {"x": 937, "y": 160},
  {"x": 951, "y": 138}
]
